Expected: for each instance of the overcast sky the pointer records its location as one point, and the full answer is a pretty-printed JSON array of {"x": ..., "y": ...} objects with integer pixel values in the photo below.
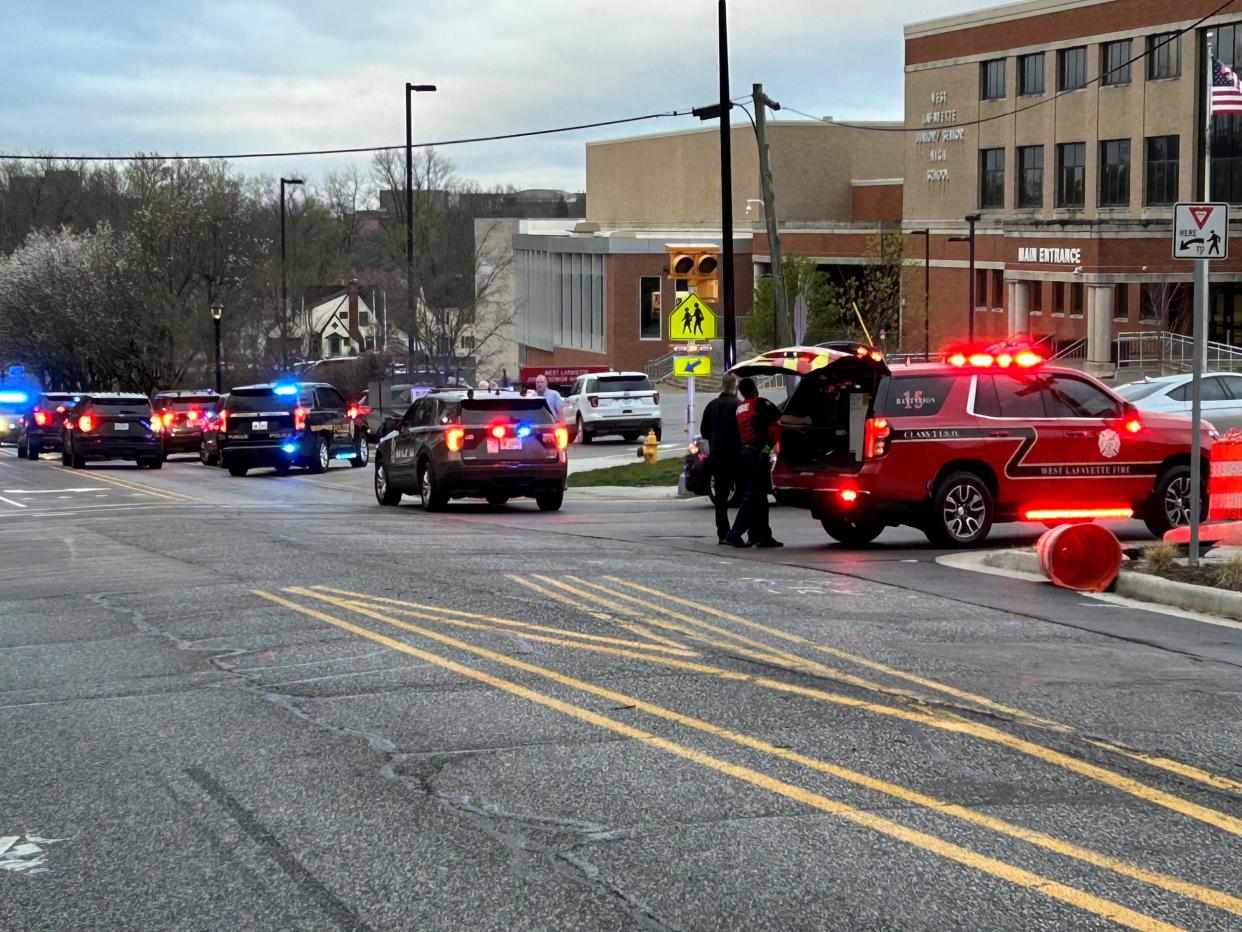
[{"x": 123, "y": 76}]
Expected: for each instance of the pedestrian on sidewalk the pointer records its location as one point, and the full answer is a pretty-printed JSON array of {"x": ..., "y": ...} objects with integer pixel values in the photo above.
[
  {"x": 724, "y": 448},
  {"x": 758, "y": 427}
]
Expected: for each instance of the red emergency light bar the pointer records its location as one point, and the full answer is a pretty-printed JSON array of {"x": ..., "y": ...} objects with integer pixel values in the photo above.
[
  {"x": 1079, "y": 514},
  {"x": 1023, "y": 359}
]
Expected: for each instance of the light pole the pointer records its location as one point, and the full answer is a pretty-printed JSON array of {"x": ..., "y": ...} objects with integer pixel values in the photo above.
[
  {"x": 217, "y": 311},
  {"x": 926, "y": 234},
  {"x": 972, "y": 219},
  {"x": 726, "y": 194},
  {"x": 284, "y": 279},
  {"x": 411, "y": 89}
]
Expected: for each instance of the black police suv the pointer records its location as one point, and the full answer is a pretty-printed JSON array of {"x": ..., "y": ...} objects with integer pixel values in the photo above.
[
  {"x": 112, "y": 426},
  {"x": 452, "y": 444},
  {"x": 286, "y": 424},
  {"x": 40, "y": 431},
  {"x": 183, "y": 413}
]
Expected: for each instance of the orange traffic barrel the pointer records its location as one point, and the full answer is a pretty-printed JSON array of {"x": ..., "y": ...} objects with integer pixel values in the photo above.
[
  {"x": 1086, "y": 557},
  {"x": 1225, "y": 478}
]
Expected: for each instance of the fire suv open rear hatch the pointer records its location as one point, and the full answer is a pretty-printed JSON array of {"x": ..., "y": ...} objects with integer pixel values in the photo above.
[{"x": 823, "y": 423}]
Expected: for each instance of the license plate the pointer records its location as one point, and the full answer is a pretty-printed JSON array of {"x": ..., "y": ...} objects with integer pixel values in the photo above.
[
  {"x": 511, "y": 443},
  {"x": 120, "y": 426},
  {"x": 258, "y": 425},
  {"x": 493, "y": 446}
]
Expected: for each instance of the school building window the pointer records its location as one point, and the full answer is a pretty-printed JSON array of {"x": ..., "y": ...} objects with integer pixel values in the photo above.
[
  {"x": 1164, "y": 56},
  {"x": 1121, "y": 303},
  {"x": 649, "y": 307},
  {"x": 1076, "y": 303},
  {"x": 1115, "y": 62},
  {"x": 1058, "y": 299},
  {"x": 998, "y": 289},
  {"x": 992, "y": 79},
  {"x": 1031, "y": 74},
  {"x": 1162, "y": 169},
  {"x": 992, "y": 178},
  {"x": 1031, "y": 176},
  {"x": 1072, "y": 68},
  {"x": 1115, "y": 173},
  {"x": 1071, "y": 174},
  {"x": 981, "y": 289},
  {"x": 1037, "y": 298}
]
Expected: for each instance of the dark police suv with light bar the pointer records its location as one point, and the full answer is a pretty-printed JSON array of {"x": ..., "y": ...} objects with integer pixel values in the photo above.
[
  {"x": 112, "y": 426},
  {"x": 455, "y": 445},
  {"x": 285, "y": 424}
]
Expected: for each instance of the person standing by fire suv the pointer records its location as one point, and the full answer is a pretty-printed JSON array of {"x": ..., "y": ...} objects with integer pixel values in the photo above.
[{"x": 758, "y": 426}]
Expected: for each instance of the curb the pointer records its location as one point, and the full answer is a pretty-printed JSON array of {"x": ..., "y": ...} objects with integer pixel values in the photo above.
[{"x": 1140, "y": 586}]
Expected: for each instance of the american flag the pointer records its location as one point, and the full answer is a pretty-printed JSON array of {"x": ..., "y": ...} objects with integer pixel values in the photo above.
[{"x": 1226, "y": 89}]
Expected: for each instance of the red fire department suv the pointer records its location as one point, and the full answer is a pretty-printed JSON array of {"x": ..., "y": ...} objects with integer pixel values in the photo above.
[{"x": 955, "y": 446}]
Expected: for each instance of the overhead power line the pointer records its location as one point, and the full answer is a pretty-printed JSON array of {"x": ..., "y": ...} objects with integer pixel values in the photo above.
[
  {"x": 1170, "y": 37},
  {"x": 348, "y": 151}
]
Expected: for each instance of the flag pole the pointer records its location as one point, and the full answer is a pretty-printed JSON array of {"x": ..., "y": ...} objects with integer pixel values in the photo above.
[
  {"x": 1207, "y": 118},
  {"x": 1200, "y": 321}
]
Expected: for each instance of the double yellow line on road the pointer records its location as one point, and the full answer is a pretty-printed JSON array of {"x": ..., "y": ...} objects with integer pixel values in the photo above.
[
  {"x": 358, "y": 603},
  {"x": 131, "y": 486}
]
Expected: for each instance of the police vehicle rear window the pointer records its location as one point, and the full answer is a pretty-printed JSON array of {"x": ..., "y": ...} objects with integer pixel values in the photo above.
[
  {"x": 121, "y": 406},
  {"x": 624, "y": 383},
  {"x": 261, "y": 400},
  {"x": 914, "y": 396},
  {"x": 480, "y": 411}
]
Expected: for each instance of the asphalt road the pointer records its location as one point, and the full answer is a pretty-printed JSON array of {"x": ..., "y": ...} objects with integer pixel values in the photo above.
[{"x": 268, "y": 703}]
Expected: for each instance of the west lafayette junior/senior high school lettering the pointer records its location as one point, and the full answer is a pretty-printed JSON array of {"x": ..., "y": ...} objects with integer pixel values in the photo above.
[{"x": 1049, "y": 256}]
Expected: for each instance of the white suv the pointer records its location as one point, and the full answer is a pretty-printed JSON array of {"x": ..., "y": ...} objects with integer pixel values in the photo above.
[{"x": 622, "y": 403}]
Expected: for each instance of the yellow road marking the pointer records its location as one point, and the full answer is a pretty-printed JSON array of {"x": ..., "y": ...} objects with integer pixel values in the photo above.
[
  {"x": 1098, "y": 906},
  {"x": 131, "y": 486},
  {"x": 1216, "y": 781},
  {"x": 1048, "y": 755},
  {"x": 666, "y": 647}
]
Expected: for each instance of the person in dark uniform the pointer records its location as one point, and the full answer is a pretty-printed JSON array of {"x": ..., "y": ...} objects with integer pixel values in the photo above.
[
  {"x": 758, "y": 427},
  {"x": 719, "y": 426}
]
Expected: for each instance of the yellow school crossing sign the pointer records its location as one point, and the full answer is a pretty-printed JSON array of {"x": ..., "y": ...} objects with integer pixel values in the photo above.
[
  {"x": 685, "y": 367},
  {"x": 692, "y": 320}
]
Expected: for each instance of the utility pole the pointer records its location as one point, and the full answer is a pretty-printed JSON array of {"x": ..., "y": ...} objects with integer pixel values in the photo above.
[
  {"x": 780, "y": 304},
  {"x": 728, "y": 302},
  {"x": 410, "y": 89},
  {"x": 284, "y": 278}
]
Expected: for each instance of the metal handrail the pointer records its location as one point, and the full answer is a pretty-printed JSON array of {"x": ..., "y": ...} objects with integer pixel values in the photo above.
[
  {"x": 1174, "y": 351},
  {"x": 1075, "y": 350}
]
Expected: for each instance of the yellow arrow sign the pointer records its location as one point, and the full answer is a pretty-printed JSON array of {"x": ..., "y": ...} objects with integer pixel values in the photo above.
[
  {"x": 692, "y": 320},
  {"x": 686, "y": 366}
]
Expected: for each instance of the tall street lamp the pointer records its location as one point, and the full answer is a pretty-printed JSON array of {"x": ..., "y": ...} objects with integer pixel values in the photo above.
[
  {"x": 410, "y": 90},
  {"x": 217, "y": 311},
  {"x": 926, "y": 234},
  {"x": 971, "y": 219},
  {"x": 284, "y": 278}
]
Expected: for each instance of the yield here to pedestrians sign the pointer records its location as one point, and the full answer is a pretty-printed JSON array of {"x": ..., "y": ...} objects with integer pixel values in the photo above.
[{"x": 1201, "y": 231}]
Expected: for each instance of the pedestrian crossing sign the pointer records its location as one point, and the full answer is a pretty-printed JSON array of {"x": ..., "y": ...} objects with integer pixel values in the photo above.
[
  {"x": 692, "y": 320},
  {"x": 685, "y": 367}
]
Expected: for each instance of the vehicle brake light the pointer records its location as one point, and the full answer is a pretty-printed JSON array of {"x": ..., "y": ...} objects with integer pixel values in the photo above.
[
  {"x": 594, "y": 400},
  {"x": 498, "y": 431},
  {"x": 86, "y": 423},
  {"x": 848, "y": 496},
  {"x": 299, "y": 418},
  {"x": 1134, "y": 425},
  {"x": 877, "y": 356},
  {"x": 655, "y": 397},
  {"x": 156, "y": 424},
  {"x": 352, "y": 412},
  {"x": 875, "y": 437},
  {"x": 41, "y": 417},
  {"x": 224, "y": 420},
  {"x": 167, "y": 418},
  {"x": 1069, "y": 514},
  {"x": 192, "y": 415},
  {"x": 562, "y": 437},
  {"x": 453, "y": 439}
]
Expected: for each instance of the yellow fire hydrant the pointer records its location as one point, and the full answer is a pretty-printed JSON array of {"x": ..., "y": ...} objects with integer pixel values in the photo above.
[{"x": 651, "y": 448}]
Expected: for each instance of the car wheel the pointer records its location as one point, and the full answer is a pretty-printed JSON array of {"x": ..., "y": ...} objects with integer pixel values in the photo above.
[
  {"x": 282, "y": 468},
  {"x": 852, "y": 533},
  {"x": 496, "y": 499},
  {"x": 64, "y": 455},
  {"x": 151, "y": 462},
  {"x": 629, "y": 437},
  {"x": 33, "y": 451},
  {"x": 385, "y": 493},
  {"x": 362, "y": 454},
  {"x": 22, "y": 449},
  {"x": 433, "y": 499},
  {"x": 583, "y": 436},
  {"x": 962, "y": 511},
  {"x": 322, "y": 457},
  {"x": 238, "y": 469},
  {"x": 659, "y": 431},
  {"x": 1170, "y": 501},
  {"x": 550, "y": 501}
]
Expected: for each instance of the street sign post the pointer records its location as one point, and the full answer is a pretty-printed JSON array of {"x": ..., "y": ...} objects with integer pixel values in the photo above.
[
  {"x": 1201, "y": 233},
  {"x": 688, "y": 367}
]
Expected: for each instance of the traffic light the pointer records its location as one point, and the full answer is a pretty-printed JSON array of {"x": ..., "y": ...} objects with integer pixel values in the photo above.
[{"x": 698, "y": 266}]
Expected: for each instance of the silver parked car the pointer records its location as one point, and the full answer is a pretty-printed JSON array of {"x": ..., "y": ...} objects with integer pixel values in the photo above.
[{"x": 1220, "y": 393}]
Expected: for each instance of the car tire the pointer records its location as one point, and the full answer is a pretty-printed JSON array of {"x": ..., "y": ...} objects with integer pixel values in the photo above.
[
  {"x": 22, "y": 449},
  {"x": 385, "y": 493},
  {"x": 496, "y": 499},
  {"x": 850, "y": 532},
  {"x": 629, "y": 437},
  {"x": 64, "y": 456},
  {"x": 207, "y": 459},
  {"x": 962, "y": 511},
  {"x": 1170, "y": 501},
  {"x": 321, "y": 456},
  {"x": 583, "y": 436},
  {"x": 362, "y": 453},
  {"x": 432, "y": 498},
  {"x": 551, "y": 500},
  {"x": 659, "y": 432},
  {"x": 282, "y": 469},
  {"x": 32, "y": 451},
  {"x": 151, "y": 462},
  {"x": 238, "y": 469}
]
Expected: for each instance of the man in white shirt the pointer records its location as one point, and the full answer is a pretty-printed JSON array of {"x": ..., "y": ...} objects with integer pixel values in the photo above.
[{"x": 550, "y": 395}]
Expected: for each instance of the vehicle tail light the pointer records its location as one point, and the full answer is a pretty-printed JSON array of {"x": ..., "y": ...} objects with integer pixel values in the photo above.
[
  {"x": 877, "y": 356},
  {"x": 60, "y": 409},
  {"x": 1134, "y": 425},
  {"x": 224, "y": 420},
  {"x": 352, "y": 412},
  {"x": 594, "y": 400},
  {"x": 875, "y": 437},
  {"x": 299, "y": 418},
  {"x": 848, "y": 496},
  {"x": 498, "y": 431},
  {"x": 157, "y": 425},
  {"x": 192, "y": 415},
  {"x": 42, "y": 418},
  {"x": 562, "y": 437},
  {"x": 86, "y": 423},
  {"x": 655, "y": 397},
  {"x": 453, "y": 439},
  {"x": 167, "y": 418}
]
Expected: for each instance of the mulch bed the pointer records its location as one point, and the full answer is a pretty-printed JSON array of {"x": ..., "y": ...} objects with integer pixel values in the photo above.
[{"x": 1203, "y": 575}]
